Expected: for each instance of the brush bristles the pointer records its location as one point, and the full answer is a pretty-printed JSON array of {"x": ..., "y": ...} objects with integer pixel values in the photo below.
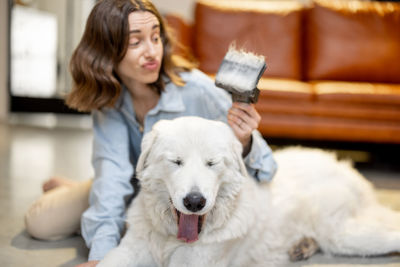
[{"x": 240, "y": 70}]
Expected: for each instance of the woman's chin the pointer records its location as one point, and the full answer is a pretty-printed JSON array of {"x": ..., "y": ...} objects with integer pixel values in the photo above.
[{"x": 150, "y": 78}]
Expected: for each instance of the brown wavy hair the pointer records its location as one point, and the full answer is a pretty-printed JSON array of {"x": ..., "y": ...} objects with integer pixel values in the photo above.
[{"x": 103, "y": 46}]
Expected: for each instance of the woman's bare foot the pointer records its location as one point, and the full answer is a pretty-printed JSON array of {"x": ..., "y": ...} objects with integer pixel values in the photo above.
[{"x": 56, "y": 181}]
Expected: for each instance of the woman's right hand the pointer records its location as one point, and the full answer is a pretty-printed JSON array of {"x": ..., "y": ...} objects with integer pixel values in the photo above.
[{"x": 88, "y": 264}]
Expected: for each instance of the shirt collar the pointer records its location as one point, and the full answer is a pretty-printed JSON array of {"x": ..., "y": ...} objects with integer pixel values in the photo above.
[{"x": 170, "y": 100}]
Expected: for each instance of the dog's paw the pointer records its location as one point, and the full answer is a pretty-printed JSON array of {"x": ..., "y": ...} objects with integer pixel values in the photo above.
[{"x": 304, "y": 249}]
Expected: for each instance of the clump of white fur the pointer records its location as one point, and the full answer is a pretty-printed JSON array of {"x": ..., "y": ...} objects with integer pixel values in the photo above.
[{"x": 240, "y": 70}]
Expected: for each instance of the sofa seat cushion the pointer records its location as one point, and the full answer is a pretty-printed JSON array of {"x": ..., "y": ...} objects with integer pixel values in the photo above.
[
  {"x": 348, "y": 111},
  {"x": 279, "y": 88},
  {"x": 325, "y": 128},
  {"x": 343, "y": 100},
  {"x": 358, "y": 92},
  {"x": 353, "y": 41}
]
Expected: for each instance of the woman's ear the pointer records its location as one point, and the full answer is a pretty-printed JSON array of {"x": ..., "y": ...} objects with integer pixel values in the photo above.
[{"x": 147, "y": 143}]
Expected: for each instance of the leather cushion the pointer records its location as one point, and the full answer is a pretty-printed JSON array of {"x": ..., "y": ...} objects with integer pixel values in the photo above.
[
  {"x": 256, "y": 26},
  {"x": 353, "y": 41}
]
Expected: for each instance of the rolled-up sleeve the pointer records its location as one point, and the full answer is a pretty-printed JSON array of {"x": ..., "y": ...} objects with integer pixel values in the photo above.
[
  {"x": 260, "y": 162},
  {"x": 103, "y": 222}
]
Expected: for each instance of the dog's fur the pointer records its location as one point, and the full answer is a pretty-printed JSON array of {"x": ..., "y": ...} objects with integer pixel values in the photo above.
[{"x": 312, "y": 197}]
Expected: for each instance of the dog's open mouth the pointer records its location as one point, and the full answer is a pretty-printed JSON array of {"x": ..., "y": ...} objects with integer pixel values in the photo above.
[{"x": 189, "y": 226}]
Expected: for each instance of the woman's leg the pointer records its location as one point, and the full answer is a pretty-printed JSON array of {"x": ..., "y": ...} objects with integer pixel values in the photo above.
[
  {"x": 57, "y": 213},
  {"x": 56, "y": 181}
]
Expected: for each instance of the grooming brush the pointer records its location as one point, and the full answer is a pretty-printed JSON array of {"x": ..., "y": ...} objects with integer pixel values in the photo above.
[{"x": 239, "y": 74}]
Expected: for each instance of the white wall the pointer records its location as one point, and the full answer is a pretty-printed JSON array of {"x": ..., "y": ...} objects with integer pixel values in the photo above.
[
  {"x": 3, "y": 60},
  {"x": 185, "y": 8},
  {"x": 181, "y": 7}
]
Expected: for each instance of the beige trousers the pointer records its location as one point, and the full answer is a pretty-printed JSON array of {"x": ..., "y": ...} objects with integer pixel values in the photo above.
[{"x": 57, "y": 213}]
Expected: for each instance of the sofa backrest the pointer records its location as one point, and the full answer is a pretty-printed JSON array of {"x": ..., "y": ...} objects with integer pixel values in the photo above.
[
  {"x": 353, "y": 41},
  {"x": 348, "y": 40},
  {"x": 269, "y": 28}
]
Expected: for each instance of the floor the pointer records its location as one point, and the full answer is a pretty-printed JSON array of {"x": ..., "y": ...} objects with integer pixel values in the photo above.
[{"x": 30, "y": 154}]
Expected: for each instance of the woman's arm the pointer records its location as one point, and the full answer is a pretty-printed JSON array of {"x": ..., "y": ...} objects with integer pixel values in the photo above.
[
  {"x": 103, "y": 222},
  {"x": 260, "y": 162},
  {"x": 244, "y": 120}
]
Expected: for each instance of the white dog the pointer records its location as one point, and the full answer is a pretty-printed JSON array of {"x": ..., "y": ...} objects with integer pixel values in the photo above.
[{"x": 198, "y": 207}]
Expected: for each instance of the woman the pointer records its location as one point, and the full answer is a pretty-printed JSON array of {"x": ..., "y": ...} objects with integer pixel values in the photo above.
[{"x": 125, "y": 74}]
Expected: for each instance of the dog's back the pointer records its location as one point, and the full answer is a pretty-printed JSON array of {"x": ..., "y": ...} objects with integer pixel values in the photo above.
[{"x": 313, "y": 195}]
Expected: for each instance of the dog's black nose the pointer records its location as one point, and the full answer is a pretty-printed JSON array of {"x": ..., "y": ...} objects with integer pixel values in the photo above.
[{"x": 194, "y": 201}]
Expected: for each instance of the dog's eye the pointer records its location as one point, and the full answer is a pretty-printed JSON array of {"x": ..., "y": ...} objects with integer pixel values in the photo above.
[
  {"x": 210, "y": 163},
  {"x": 178, "y": 162}
]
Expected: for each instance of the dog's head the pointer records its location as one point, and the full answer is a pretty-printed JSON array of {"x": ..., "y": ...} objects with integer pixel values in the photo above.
[{"x": 191, "y": 168}]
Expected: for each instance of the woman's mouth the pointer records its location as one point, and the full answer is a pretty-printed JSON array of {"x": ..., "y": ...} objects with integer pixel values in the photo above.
[{"x": 151, "y": 65}]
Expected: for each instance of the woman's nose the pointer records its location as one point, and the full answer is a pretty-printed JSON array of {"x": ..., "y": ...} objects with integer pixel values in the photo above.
[{"x": 150, "y": 49}]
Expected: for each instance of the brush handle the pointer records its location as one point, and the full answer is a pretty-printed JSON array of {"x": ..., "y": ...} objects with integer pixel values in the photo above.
[{"x": 251, "y": 97}]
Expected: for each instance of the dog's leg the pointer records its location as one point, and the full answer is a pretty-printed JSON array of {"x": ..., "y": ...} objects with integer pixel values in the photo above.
[
  {"x": 303, "y": 249},
  {"x": 375, "y": 231}
]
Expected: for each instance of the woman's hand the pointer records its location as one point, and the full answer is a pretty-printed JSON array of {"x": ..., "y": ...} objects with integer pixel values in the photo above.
[
  {"x": 243, "y": 119},
  {"x": 88, "y": 264}
]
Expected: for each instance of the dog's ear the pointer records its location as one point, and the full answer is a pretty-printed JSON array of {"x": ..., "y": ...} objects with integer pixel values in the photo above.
[
  {"x": 147, "y": 143},
  {"x": 237, "y": 150}
]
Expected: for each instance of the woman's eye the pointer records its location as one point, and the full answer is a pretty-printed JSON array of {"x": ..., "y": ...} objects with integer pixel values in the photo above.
[
  {"x": 134, "y": 42},
  {"x": 156, "y": 38}
]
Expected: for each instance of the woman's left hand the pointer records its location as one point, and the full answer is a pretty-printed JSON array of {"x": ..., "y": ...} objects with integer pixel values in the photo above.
[{"x": 243, "y": 119}]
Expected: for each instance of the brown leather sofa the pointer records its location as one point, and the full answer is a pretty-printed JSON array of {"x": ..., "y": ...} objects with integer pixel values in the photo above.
[{"x": 333, "y": 66}]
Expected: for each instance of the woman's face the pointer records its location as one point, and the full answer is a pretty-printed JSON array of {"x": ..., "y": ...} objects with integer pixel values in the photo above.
[{"x": 142, "y": 61}]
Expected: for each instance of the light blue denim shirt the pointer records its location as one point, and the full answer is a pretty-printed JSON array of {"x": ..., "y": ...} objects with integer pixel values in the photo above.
[{"x": 116, "y": 148}]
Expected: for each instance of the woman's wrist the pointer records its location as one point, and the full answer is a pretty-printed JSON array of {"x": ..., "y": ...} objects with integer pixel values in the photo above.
[{"x": 247, "y": 146}]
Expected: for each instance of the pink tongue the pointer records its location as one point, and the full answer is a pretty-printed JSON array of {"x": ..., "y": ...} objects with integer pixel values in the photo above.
[{"x": 188, "y": 228}]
